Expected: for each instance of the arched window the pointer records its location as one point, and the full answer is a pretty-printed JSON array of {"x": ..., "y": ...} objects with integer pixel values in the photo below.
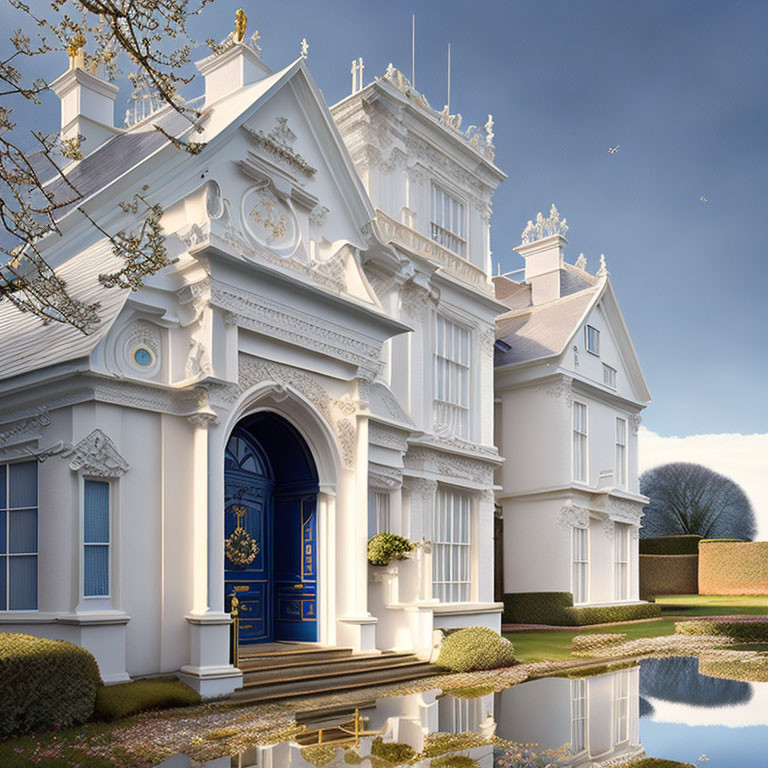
[{"x": 242, "y": 454}]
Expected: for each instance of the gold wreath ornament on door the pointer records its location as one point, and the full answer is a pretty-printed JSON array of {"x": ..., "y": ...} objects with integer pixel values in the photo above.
[{"x": 241, "y": 548}]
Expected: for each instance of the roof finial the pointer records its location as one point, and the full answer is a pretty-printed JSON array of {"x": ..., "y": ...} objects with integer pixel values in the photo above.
[
  {"x": 603, "y": 271},
  {"x": 75, "y": 50},
  {"x": 241, "y": 22},
  {"x": 304, "y": 48},
  {"x": 489, "y": 134},
  {"x": 581, "y": 262}
]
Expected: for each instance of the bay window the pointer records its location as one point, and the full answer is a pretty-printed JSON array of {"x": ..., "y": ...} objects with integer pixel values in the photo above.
[{"x": 449, "y": 226}]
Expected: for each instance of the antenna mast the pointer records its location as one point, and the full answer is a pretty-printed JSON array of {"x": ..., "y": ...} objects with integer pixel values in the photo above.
[
  {"x": 449, "y": 79},
  {"x": 413, "y": 50}
]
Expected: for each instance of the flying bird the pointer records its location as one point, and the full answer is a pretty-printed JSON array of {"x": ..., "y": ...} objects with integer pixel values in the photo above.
[
  {"x": 613, "y": 150},
  {"x": 703, "y": 199}
]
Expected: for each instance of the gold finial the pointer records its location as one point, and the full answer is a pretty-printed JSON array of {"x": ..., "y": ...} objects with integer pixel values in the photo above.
[
  {"x": 241, "y": 22},
  {"x": 75, "y": 50}
]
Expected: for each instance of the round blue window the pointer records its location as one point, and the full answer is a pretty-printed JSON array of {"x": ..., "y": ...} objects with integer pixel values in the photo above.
[{"x": 143, "y": 357}]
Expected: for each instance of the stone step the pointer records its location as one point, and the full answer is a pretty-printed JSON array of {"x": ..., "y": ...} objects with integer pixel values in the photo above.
[
  {"x": 293, "y": 669},
  {"x": 332, "y": 681},
  {"x": 253, "y": 658}
]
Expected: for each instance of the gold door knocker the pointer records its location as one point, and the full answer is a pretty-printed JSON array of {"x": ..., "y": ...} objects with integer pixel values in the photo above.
[{"x": 241, "y": 548}]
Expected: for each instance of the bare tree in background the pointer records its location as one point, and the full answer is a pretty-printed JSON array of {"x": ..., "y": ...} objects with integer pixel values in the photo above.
[
  {"x": 692, "y": 499},
  {"x": 34, "y": 189}
]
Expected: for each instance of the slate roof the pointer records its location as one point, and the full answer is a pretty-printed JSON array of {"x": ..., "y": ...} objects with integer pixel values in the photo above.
[
  {"x": 544, "y": 330},
  {"x": 29, "y": 345}
]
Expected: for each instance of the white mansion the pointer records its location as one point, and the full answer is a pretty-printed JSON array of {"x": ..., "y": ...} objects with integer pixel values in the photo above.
[{"x": 315, "y": 366}]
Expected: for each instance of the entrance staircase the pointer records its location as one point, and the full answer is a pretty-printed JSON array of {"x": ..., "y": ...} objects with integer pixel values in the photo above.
[{"x": 282, "y": 670}]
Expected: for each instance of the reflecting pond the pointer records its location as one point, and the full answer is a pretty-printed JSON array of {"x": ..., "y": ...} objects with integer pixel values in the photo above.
[{"x": 680, "y": 709}]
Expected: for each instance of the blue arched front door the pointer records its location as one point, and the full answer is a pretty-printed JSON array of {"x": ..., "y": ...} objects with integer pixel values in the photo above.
[{"x": 271, "y": 531}]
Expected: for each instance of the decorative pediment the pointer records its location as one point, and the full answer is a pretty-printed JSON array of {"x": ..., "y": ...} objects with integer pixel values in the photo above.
[{"x": 96, "y": 455}]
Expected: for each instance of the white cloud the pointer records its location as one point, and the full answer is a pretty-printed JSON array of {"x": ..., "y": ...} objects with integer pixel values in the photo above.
[{"x": 743, "y": 458}]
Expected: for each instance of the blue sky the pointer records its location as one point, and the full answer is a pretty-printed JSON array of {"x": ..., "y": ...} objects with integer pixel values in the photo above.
[{"x": 680, "y": 85}]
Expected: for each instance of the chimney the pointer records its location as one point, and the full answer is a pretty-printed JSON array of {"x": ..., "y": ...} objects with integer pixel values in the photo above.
[
  {"x": 87, "y": 104},
  {"x": 236, "y": 64},
  {"x": 542, "y": 248}
]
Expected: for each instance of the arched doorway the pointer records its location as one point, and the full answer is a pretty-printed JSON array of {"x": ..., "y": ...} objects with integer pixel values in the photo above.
[{"x": 270, "y": 514}]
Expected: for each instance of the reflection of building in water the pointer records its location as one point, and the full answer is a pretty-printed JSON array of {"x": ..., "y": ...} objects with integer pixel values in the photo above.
[
  {"x": 598, "y": 716},
  {"x": 402, "y": 719}
]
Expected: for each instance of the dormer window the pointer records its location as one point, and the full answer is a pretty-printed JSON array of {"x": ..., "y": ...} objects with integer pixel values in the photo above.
[
  {"x": 593, "y": 340},
  {"x": 449, "y": 226}
]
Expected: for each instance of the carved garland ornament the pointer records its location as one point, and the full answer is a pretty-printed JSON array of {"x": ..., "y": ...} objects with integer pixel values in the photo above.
[{"x": 572, "y": 516}]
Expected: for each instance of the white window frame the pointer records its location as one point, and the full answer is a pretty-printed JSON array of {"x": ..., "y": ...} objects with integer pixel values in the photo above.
[
  {"x": 8, "y": 555},
  {"x": 621, "y": 706},
  {"x": 592, "y": 349},
  {"x": 621, "y": 453},
  {"x": 448, "y": 231},
  {"x": 380, "y": 511},
  {"x": 452, "y": 538},
  {"x": 609, "y": 376},
  {"x": 621, "y": 561},
  {"x": 579, "y": 715},
  {"x": 97, "y": 602},
  {"x": 580, "y": 470},
  {"x": 449, "y": 413},
  {"x": 580, "y": 564}
]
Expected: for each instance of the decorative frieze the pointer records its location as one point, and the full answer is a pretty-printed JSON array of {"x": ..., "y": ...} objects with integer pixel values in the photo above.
[
  {"x": 387, "y": 437},
  {"x": 33, "y": 423},
  {"x": 623, "y": 511},
  {"x": 573, "y": 516},
  {"x": 449, "y": 465},
  {"x": 278, "y": 143},
  {"x": 384, "y": 478},
  {"x": 295, "y": 326}
]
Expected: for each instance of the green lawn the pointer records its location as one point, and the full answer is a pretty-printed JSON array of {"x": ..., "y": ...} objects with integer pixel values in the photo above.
[
  {"x": 554, "y": 644},
  {"x": 712, "y": 605}
]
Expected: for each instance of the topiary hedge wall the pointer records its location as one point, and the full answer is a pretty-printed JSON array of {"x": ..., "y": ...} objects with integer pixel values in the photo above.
[
  {"x": 733, "y": 567},
  {"x": 557, "y": 609},
  {"x": 669, "y": 575},
  {"x": 44, "y": 683},
  {"x": 670, "y": 545}
]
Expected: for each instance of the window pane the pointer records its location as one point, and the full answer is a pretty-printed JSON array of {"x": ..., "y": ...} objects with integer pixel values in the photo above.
[
  {"x": 23, "y": 484},
  {"x": 96, "y": 502},
  {"x": 23, "y": 583},
  {"x": 96, "y": 570},
  {"x": 3, "y": 532},
  {"x": 3, "y": 583},
  {"x": 3, "y": 487},
  {"x": 23, "y": 531}
]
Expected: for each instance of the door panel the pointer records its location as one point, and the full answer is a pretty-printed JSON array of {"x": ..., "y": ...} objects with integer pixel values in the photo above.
[
  {"x": 296, "y": 566},
  {"x": 248, "y": 499}
]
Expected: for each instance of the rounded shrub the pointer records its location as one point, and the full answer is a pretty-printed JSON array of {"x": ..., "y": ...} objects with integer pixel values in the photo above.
[
  {"x": 384, "y": 547},
  {"x": 44, "y": 684},
  {"x": 392, "y": 751},
  {"x": 475, "y": 648}
]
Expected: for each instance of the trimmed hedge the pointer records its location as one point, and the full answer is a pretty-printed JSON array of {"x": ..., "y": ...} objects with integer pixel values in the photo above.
[
  {"x": 748, "y": 629},
  {"x": 116, "y": 701},
  {"x": 475, "y": 648},
  {"x": 44, "y": 684},
  {"x": 750, "y": 671},
  {"x": 657, "y": 762},
  {"x": 733, "y": 567},
  {"x": 670, "y": 545},
  {"x": 557, "y": 609},
  {"x": 392, "y": 751},
  {"x": 669, "y": 574}
]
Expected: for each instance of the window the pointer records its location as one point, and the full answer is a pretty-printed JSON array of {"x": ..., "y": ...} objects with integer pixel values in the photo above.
[
  {"x": 448, "y": 222},
  {"x": 451, "y": 406},
  {"x": 621, "y": 706},
  {"x": 18, "y": 536},
  {"x": 580, "y": 544},
  {"x": 378, "y": 512},
  {"x": 580, "y": 442},
  {"x": 593, "y": 340},
  {"x": 95, "y": 538},
  {"x": 620, "y": 561},
  {"x": 578, "y": 716},
  {"x": 451, "y": 537},
  {"x": 609, "y": 376},
  {"x": 620, "y": 474}
]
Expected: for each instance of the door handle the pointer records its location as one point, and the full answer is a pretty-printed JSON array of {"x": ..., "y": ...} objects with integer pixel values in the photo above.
[{"x": 298, "y": 586}]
